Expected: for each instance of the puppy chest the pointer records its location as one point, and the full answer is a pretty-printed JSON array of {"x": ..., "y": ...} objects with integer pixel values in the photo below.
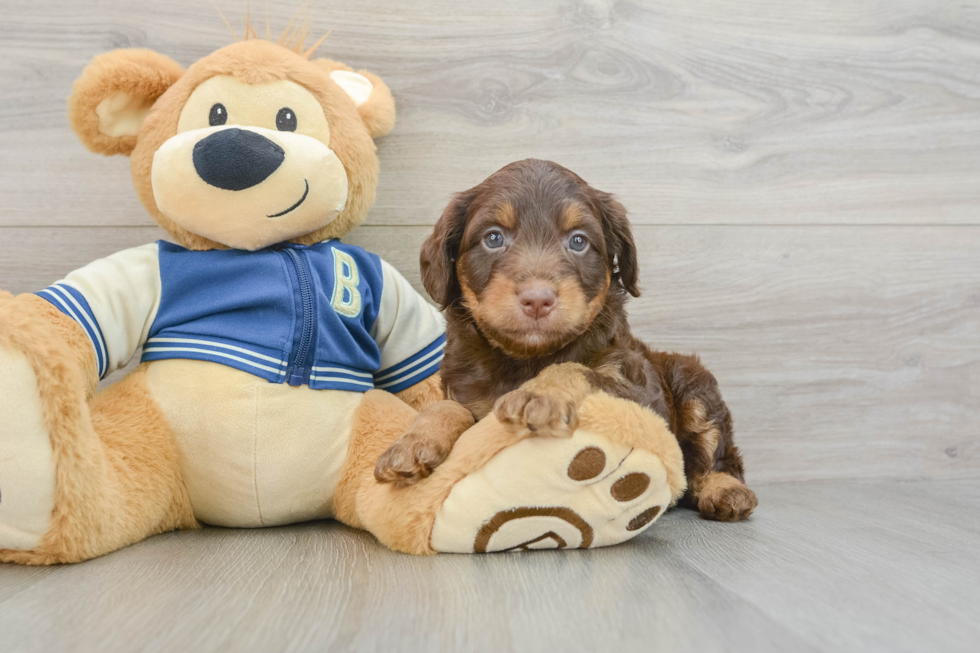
[{"x": 253, "y": 453}]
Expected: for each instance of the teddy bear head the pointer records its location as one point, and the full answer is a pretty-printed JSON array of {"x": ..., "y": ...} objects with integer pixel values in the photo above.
[{"x": 253, "y": 145}]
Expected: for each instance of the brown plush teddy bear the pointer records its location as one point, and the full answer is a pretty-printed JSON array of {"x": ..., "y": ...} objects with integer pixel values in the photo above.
[{"x": 277, "y": 361}]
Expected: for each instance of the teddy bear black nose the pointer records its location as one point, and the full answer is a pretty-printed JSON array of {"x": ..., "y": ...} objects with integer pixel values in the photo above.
[{"x": 236, "y": 159}]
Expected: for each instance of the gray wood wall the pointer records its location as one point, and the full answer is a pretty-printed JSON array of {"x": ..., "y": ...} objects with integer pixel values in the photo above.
[{"x": 804, "y": 181}]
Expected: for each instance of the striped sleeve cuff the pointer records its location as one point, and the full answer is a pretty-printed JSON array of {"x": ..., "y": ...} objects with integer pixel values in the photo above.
[
  {"x": 72, "y": 303},
  {"x": 413, "y": 369}
]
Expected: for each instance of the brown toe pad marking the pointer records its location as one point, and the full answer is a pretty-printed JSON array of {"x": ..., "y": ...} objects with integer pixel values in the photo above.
[
  {"x": 643, "y": 519},
  {"x": 630, "y": 486},
  {"x": 587, "y": 464}
]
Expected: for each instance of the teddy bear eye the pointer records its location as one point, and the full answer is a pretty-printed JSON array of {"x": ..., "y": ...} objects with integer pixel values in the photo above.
[
  {"x": 286, "y": 120},
  {"x": 218, "y": 116}
]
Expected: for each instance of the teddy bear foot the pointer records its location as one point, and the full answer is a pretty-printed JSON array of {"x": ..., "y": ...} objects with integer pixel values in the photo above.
[
  {"x": 27, "y": 473},
  {"x": 600, "y": 493},
  {"x": 605, "y": 484}
]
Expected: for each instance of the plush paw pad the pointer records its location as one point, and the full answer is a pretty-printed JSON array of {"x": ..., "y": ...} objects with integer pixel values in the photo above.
[
  {"x": 541, "y": 415},
  {"x": 577, "y": 492}
]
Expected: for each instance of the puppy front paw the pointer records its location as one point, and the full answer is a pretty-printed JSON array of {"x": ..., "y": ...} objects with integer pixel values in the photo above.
[
  {"x": 542, "y": 415},
  {"x": 410, "y": 459},
  {"x": 725, "y": 498}
]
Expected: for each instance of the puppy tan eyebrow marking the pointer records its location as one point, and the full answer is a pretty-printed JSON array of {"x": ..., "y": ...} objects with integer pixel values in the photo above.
[
  {"x": 506, "y": 216},
  {"x": 571, "y": 216}
]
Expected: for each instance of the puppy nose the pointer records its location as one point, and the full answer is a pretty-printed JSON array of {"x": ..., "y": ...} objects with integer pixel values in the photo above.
[
  {"x": 236, "y": 159},
  {"x": 537, "y": 300}
]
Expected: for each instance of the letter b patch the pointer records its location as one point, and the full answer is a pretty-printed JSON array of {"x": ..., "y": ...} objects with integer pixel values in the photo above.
[{"x": 346, "y": 297}]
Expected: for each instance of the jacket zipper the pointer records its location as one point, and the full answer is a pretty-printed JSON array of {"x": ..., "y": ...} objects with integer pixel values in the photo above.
[{"x": 297, "y": 371}]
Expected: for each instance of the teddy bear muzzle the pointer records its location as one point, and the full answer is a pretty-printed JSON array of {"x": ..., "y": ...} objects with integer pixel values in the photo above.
[{"x": 248, "y": 187}]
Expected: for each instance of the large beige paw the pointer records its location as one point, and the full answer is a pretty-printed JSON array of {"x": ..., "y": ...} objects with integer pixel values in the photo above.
[
  {"x": 26, "y": 460},
  {"x": 584, "y": 491}
]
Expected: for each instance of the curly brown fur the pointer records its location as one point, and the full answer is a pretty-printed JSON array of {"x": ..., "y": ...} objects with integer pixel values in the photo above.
[{"x": 499, "y": 336}]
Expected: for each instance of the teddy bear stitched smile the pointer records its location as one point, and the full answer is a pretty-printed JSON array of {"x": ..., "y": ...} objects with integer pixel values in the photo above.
[{"x": 300, "y": 201}]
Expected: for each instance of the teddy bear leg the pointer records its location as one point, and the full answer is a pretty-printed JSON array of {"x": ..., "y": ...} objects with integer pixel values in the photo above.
[
  {"x": 78, "y": 478},
  {"x": 595, "y": 471},
  {"x": 108, "y": 477},
  {"x": 26, "y": 459},
  {"x": 379, "y": 420},
  {"x": 401, "y": 517}
]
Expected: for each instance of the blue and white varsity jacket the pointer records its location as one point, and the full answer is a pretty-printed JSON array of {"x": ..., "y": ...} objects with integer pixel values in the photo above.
[{"x": 329, "y": 315}]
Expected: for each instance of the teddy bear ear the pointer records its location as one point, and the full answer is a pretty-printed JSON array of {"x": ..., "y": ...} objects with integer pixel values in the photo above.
[
  {"x": 113, "y": 95},
  {"x": 369, "y": 94}
]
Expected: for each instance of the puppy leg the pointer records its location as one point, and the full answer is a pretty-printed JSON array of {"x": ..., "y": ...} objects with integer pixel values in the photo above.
[
  {"x": 714, "y": 466},
  {"x": 547, "y": 405},
  {"x": 716, "y": 485},
  {"x": 425, "y": 445}
]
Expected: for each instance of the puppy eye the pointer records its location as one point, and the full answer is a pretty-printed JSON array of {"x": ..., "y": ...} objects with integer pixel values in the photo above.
[
  {"x": 286, "y": 120},
  {"x": 577, "y": 243},
  {"x": 218, "y": 115},
  {"x": 494, "y": 240}
]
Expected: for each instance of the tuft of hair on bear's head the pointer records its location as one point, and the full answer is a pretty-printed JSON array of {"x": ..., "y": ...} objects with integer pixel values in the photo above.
[{"x": 292, "y": 38}]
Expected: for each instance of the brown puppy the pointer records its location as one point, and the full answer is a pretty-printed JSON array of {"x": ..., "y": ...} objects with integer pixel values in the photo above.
[{"x": 532, "y": 268}]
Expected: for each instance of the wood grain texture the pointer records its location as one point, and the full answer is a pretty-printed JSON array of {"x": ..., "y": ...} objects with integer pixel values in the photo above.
[
  {"x": 705, "y": 112},
  {"x": 843, "y": 352},
  {"x": 889, "y": 567}
]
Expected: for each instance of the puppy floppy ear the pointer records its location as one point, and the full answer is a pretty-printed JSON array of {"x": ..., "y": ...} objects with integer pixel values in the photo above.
[
  {"x": 370, "y": 95},
  {"x": 620, "y": 247},
  {"x": 441, "y": 250},
  {"x": 114, "y": 94}
]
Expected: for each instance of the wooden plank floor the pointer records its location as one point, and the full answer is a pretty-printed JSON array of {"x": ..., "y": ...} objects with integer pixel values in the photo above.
[{"x": 844, "y": 566}]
